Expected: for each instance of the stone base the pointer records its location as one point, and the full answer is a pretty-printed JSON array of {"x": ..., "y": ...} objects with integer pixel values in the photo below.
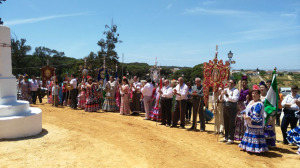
[{"x": 21, "y": 125}]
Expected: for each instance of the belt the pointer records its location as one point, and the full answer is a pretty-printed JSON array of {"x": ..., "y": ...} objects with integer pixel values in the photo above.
[
  {"x": 230, "y": 103},
  {"x": 165, "y": 98},
  {"x": 289, "y": 111}
]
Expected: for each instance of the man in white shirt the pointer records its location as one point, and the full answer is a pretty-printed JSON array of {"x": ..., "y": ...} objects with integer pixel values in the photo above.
[
  {"x": 136, "y": 96},
  {"x": 166, "y": 103},
  {"x": 147, "y": 93},
  {"x": 181, "y": 91},
  {"x": 290, "y": 104},
  {"x": 230, "y": 97},
  {"x": 34, "y": 87},
  {"x": 73, "y": 93}
]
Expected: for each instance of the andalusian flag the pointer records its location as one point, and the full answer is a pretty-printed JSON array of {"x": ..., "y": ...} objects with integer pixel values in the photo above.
[
  {"x": 271, "y": 101},
  {"x": 104, "y": 82}
]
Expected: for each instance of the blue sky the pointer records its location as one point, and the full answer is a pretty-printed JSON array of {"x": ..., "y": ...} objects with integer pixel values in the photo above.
[{"x": 260, "y": 33}]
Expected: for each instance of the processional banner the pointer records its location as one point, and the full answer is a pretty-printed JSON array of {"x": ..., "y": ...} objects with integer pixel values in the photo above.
[{"x": 215, "y": 74}]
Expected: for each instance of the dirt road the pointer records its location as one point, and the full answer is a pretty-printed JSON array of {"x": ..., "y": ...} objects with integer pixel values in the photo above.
[{"x": 74, "y": 138}]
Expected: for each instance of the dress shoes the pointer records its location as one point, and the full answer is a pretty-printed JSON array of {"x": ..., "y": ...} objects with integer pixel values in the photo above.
[
  {"x": 182, "y": 127},
  {"x": 229, "y": 142},
  {"x": 223, "y": 140},
  {"x": 162, "y": 124},
  {"x": 172, "y": 126},
  {"x": 192, "y": 128}
]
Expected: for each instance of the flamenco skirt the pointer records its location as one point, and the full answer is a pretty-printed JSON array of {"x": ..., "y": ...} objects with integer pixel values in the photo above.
[
  {"x": 293, "y": 137},
  {"x": 92, "y": 105},
  {"x": 270, "y": 136},
  {"x": 239, "y": 123},
  {"x": 26, "y": 97},
  {"x": 110, "y": 104},
  {"x": 155, "y": 114},
  {"x": 81, "y": 100},
  {"x": 254, "y": 141}
]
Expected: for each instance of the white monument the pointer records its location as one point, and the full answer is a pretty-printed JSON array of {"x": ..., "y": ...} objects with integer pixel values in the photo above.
[{"x": 17, "y": 119}]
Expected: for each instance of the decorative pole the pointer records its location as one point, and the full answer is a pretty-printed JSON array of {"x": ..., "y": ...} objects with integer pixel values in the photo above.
[{"x": 217, "y": 47}]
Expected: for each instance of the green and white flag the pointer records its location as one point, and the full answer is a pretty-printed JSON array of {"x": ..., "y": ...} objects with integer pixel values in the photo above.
[{"x": 271, "y": 101}]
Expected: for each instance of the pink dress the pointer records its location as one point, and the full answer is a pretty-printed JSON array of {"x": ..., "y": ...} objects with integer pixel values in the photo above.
[
  {"x": 125, "y": 107},
  {"x": 82, "y": 97}
]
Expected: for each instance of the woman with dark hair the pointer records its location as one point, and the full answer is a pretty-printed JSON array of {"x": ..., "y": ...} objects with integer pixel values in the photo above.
[
  {"x": 254, "y": 139},
  {"x": 92, "y": 101},
  {"x": 239, "y": 120},
  {"x": 124, "y": 91},
  {"x": 263, "y": 90}
]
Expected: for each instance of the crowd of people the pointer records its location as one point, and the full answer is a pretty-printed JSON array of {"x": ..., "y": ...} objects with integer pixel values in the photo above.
[{"x": 239, "y": 112}]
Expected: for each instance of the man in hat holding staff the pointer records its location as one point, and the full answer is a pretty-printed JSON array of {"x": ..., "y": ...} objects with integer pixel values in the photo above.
[{"x": 198, "y": 103}]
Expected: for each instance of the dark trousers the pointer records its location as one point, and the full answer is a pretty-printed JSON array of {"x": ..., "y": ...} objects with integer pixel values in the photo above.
[
  {"x": 229, "y": 114},
  {"x": 288, "y": 118},
  {"x": 189, "y": 106},
  {"x": 73, "y": 98},
  {"x": 136, "y": 102},
  {"x": 166, "y": 116},
  {"x": 33, "y": 95},
  {"x": 278, "y": 117},
  {"x": 179, "y": 113},
  {"x": 198, "y": 107},
  {"x": 65, "y": 98},
  {"x": 39, "y": 95}
]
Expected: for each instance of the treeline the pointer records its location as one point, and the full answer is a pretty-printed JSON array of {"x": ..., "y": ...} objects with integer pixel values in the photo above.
[{"x": 41, "y": 56}]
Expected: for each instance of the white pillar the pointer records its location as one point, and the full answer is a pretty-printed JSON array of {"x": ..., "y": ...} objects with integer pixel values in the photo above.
[
  {"x": 8, "y": 87},
  {"x": 5, "y": 52}
]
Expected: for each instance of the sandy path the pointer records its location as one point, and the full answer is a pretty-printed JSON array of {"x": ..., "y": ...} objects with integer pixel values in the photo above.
[{"x": 74, "y": 138}]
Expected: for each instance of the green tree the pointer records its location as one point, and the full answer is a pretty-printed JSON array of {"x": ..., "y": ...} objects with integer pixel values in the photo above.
[
  {"x": 262, "y": 73},
  {"x": 108, "y": 45},
  {"x": 19, "y": 51}
]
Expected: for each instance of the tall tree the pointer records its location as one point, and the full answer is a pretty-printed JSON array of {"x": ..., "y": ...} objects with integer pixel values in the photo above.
[
  {"x": 19, "y": 51},
  {"x": 108, "y": 45}
]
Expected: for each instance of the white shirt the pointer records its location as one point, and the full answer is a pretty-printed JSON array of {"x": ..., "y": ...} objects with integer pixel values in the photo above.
[
  {"x": 74, "y": 83},
  {"x": 167, "y": 92},
  {"x": 34, "y": 85},
  {"x": 233, "y": 95},
  {"x": 147, "y": 89},
  {"x": 137, "y": 85},
  {"x": 183, "y": 91},
  {"x": 289, "y": 99}
]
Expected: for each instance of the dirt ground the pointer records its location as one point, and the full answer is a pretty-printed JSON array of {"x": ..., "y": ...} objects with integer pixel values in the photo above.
[{"x": 74, "y": 138}]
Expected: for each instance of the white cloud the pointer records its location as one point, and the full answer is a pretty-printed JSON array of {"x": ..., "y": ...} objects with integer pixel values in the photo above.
[
  {"x": 208, "y": 2},
  {"x": 199, "y": 10},
  {"x": 269, "y": 58},
  {"x": 293, "y": 15},
  {"x": 40, "y": 19},
  {"x": 169, "y": 6}
]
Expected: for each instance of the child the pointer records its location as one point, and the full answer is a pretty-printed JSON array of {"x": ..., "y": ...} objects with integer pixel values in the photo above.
[{"x": 55, "y": 91}]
